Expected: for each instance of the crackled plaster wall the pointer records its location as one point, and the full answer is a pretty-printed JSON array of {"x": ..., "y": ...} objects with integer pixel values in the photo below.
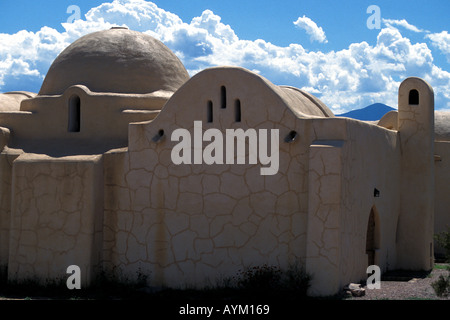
[
  {"x": 6, "y": 160},
  {"x": 416, "y": 219},
  {"x": 42, "y": 123},
  {"x": 442, "y": 201},
  {"x": 56, "y": 217},
  {"x": 131, "y": 211},
  {"x": 344, "y": 170},
  {"x": 190, "y": 224}
]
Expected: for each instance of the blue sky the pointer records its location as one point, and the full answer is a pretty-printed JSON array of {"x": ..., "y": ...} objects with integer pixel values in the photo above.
[{"x": 322, "y": 46}]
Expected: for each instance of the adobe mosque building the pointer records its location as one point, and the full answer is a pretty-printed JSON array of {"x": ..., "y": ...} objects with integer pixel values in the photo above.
[{"x": 124, "y": 165}]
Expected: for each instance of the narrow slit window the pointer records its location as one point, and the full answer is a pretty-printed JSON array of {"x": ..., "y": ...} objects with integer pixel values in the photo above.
[
  {"x": 237, "y": 110},
  {"x": 209, "y": 111},
  {"x": 74, "y": 114},
  {"x": 414, "y": 97},
  {"x": 223, "y": 97}
]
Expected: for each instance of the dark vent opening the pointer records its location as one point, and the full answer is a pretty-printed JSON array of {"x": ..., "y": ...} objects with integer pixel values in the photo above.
[
  {"x": 209, "y": 111},
  {"x": 74, "y": 114},
  {"x": 237, "y": 110},
  {"x": 223, "y": 97}
]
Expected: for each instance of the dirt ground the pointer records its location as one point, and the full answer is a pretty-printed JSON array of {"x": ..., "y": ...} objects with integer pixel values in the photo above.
[
  {"x": 393, "y": 287},
  {"x": 407, "y": 287}
]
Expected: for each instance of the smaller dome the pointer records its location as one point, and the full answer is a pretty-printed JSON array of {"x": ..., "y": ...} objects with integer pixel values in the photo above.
[
  {"x": 117, "y": 60},
  {"x": 441, "y": 123},
  {"x": 389, "y": 120},
  {"x": 10, "y": 101},
  {"x": 305, "y": 102},
  {"x": 442, "y": 126}
]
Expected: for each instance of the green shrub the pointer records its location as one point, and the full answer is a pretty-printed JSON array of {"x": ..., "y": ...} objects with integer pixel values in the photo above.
[
  {"x": 443, "y": 239},
  {"x": 259, "y": 278},
  {"x": 442, "y": 286},
  {"x": 296, "y": 279},
  {"x": 271, "y": 280}
]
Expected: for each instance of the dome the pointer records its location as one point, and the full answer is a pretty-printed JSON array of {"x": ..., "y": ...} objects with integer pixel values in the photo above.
[
  {"x": 389, "y": 120},
  {"x": 10, "y": 101},
  {"x": 442, "y": 125},
  {"x": 117, "y": 60},
  {"x": 305, "y": 103}
]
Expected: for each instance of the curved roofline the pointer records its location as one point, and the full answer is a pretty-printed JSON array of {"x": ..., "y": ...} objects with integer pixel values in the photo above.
[
  {"x": 319, "y": 104},
  {"x": 27, "y": 94},
  {"x": 291, "y": 101},
  {"x": 442, "y": 125},
  {"x": 12, "y": 100}
]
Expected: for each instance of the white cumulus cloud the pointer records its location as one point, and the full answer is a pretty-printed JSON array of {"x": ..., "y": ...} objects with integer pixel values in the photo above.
[
  {"x": 441, "y": 41},
  {"x": 315, "y": 32},
  {"x": 401, "y": 23},
  {"x": 346, "y": 79}
]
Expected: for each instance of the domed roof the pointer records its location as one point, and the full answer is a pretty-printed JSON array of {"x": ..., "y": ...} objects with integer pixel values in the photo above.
[
  {"x": 10, "y": 101},
  {"x": 305, "y": 103},
  {"x": 116, "y": 60},
  {"x": 442, "y": 125}
]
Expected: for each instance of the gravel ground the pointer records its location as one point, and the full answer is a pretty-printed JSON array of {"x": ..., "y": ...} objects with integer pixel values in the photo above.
[
  {"x": 418, "y": 288},
  {"x": 414, "y": 289}
]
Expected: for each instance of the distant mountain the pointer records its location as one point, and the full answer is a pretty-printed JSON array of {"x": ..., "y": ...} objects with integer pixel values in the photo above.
[{"x": 371, "y": 113}]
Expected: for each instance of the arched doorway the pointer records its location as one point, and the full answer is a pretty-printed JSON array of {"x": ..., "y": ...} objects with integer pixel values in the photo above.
[{"x": 372, "y": 237}]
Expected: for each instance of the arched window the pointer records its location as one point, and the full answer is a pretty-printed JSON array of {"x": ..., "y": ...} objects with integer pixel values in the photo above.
[
  {"x": 223, "y": 97},
  {"x": 237, "y": 110},
  {"x": 413, "y": 97},
  {"x": 209, "y": 111},
  {"x": 74, "y": 114}
]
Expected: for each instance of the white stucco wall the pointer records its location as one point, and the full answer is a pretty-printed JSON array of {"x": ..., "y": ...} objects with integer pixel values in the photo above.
[{"x": 56, "y": 217}]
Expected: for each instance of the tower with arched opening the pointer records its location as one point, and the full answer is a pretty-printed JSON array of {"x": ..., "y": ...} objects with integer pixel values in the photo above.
[{"x": 416, "y": 128}]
